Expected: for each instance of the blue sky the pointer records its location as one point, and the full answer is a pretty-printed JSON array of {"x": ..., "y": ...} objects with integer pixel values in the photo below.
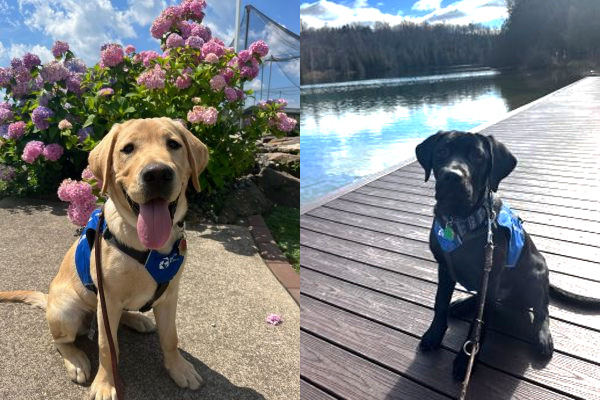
[
  {"x": 34, "y": 25},
  {"x": 335, "y": 13}
]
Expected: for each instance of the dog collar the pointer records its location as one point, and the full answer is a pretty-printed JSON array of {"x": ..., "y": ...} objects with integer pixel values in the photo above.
[{"x": 451, "y": 234}]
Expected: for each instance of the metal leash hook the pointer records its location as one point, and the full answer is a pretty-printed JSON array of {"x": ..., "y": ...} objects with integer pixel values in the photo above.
[{"x": 476, "y": 333}]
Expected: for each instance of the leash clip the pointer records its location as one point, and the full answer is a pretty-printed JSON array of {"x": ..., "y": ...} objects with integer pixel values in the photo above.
[{"x": 474, "y": 348}]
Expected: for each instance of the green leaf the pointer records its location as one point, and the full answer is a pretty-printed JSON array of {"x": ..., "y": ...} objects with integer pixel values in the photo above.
[{"x": 89, "y": 121}]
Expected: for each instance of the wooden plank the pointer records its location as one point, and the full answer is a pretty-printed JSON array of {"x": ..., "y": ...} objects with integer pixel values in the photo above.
[
  {"x": 398, "y": 352},
  {"x": 414, "y": 241},
  {"x": 428, "y": 191},
  {"x": 568, "y": 338},
  {"x": 519, "y": 205},
  {"x": 422, "y": 271},
  {"x": 563, "y": 257},
  {"x": 310, "y": 392},
  {"x": 353, "y": 377},
  {"x": 551, "y": 189},
  {"x": 426, "y": 209},
  {"x": 520, "y": 177},
  {"x": 576, "y": 376},
  {"x": 425, "y": 220}
]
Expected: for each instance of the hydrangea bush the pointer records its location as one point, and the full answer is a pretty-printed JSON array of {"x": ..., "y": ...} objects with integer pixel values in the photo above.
[{"x": 54, "y": 114}]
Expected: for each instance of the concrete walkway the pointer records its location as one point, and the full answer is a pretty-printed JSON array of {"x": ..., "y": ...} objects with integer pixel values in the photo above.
[{"x": 226, "y": 293}]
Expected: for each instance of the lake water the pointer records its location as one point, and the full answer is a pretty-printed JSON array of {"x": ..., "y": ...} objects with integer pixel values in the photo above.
[{"x": 355, "y": 129}]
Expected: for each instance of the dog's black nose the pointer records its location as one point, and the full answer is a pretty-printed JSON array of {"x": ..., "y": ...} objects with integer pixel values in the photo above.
[
  {"x": 156, "y": 174},
  {"x": 451, "y": 175}
]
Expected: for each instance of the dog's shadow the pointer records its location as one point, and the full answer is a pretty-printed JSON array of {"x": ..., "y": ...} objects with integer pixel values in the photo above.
[
  {"x": 145, "y": 377},
  {"x": 233, "y": 238},
  {"x": 505, "y": 357}
]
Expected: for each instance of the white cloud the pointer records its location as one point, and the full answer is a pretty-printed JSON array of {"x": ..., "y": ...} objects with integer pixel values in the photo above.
[
  {"x": 87, "y": 25},
  {"x": 328, "y": 13},
  {"x": 426, "y": 5},
  {"x": 19, "y": 49},
  {"x": 469, "y": 11},
  {"x": 224, "y": 12},
  {"x": 292, "y": 69}
]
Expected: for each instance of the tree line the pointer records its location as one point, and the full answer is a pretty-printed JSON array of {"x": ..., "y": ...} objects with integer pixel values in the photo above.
[
  {"x": 361, "y": 52},
  {"x": 536, "y": 34}
]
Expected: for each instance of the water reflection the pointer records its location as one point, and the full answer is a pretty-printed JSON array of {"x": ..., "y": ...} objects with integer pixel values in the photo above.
[{"x": 347, "y": 134}]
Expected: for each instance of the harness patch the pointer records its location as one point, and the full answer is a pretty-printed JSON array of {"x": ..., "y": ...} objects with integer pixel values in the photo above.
[
  {"x": 506, "y": 218},
  {"x": 162, "y": 267}
]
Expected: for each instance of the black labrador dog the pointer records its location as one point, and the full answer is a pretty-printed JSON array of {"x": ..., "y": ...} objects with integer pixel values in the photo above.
[{"x": 467, "y": 166}]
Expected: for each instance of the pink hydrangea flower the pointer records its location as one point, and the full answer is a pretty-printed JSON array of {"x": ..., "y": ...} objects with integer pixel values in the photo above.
[
  {"x": 195, "y": 42},
  {"x": 129, "y": 49},
  {"x": 87, "y": 174},
  {"x": 201, "y": 31},
  {"x": 175, "y": 40},
  {"x": 64, "y": 124},
  {"x": 283, "y": 122},
  {"x": 244, "y": 56},
  {"x": 7, "y": 173},
  {"x": 79, "y": 213},
  {"x": 160, "y": 26},
  {"x": 59, "y": 48},
  {"x": 259, "y": 48},
  {"x": 153, "y": 78},
  {"x": 183, "y": 82},
  {"x": 111, "y": 55},
  {"x": 32, "y": 151},
  {"x": 74, "y": 83},
  {"x": 16, "y": 130},
  {"x": 194, "y": 8},
  {"x": 52, "y": 152},
  {"x": 30, "y": 60},
  {"x": 40, "y": 117},
  {"x": 146, "y": 57},
  {"x": 228, "y": 74},
  {"x": 185, "y": 28},
  {"x": 5, "y": 75},
  {"x": 217, "y": 83},
  {"x": 54, "y": 71},
  {"x": 205, "y": 115},
  {"x": 5, "y": 114},
  {"x": 82, "y": 200},
  {"x": 274, "y": 319},
  {"x": 213, "y": 46},
  {"x": 230, "y": 94},
  {"x": 211, "y": 58},
  {"x": 105, "y": 92}
]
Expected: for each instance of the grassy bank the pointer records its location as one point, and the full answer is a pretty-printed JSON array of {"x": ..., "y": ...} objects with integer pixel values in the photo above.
[{"x": 284, "y": 224}]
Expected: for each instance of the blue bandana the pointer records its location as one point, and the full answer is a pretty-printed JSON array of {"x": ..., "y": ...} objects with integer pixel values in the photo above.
[
  {"x": 162, "y": 267},
  {"x": 506, "y": 218}
]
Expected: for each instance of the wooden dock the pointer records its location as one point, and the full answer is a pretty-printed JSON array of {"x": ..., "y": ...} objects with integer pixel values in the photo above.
[{"x": 368, "y": 279}]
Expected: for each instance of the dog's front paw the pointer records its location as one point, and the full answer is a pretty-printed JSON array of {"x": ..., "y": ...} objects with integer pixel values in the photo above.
[
  {"x": 544, "y": 344},
  {"x": 77, "y": 365},
  {"x": 459, "y": 370},
  {"x": 102, "y": 389},
  {"x": 432, "y": 339},
  {"x": 138, "y": 322},
  {"x": 183, "y": 372}
]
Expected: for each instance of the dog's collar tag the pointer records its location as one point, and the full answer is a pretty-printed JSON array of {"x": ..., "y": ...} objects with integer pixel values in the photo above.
[{"x": 448, "y": 231}]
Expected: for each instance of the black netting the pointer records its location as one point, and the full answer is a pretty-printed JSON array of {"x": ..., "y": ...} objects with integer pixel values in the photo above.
[{"x": 280, "y": 73}]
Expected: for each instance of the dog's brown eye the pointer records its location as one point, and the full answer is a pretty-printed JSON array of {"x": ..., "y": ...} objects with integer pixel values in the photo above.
[
  {"x": 477, "y": 156},
  {"x": 127, "y": 149},
  {"x": 442, "y": 152},
  {"x": 173, "y": 144}
]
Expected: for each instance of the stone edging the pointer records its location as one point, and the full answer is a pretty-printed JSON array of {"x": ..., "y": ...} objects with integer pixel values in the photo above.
[{"x": 273, "y": 257}]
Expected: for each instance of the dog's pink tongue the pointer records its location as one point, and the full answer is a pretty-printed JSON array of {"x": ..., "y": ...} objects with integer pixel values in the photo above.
[{"x": 154, "y": 223}]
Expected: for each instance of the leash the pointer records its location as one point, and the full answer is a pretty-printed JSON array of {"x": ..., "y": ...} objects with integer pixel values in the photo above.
[
  {"x": 113, "y": 358},
  {"x": 474, "y": 340}
]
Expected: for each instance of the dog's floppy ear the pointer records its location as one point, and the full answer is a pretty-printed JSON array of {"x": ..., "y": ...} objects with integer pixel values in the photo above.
[
  {"x": 503, "y": 162},
  {"x": 100, "y": 158},
  {"x": 197, "y": 153},
  {"x": 425, "y": 151}
]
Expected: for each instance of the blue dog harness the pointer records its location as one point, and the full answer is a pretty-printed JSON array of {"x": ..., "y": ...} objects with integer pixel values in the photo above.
[
  {"x": 162, "y": 267},
  {"x": 507, "y": 218}
]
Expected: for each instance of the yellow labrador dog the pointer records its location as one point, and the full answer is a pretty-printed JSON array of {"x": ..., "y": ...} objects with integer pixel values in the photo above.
[{"x": 145, "y": 166}]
